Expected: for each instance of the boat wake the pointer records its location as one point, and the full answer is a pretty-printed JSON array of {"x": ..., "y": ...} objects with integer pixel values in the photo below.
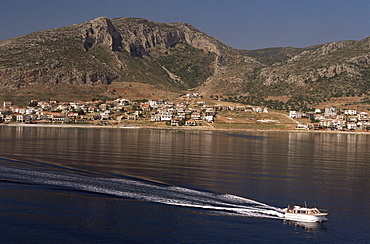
[{"x": 141, "y": 190}]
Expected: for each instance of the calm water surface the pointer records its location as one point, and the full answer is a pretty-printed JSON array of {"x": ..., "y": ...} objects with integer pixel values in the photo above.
[{"x": 72, "y": 185}]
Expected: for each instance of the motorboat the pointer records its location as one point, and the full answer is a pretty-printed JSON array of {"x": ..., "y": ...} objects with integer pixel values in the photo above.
[{"x": 304, "y": 214}]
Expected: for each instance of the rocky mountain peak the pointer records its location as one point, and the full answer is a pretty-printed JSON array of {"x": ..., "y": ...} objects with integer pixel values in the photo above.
[{"x": 102, "y": 31}]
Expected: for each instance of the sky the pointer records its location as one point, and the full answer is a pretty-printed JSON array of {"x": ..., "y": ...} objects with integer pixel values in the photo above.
[{"x": 241, "y": 24}]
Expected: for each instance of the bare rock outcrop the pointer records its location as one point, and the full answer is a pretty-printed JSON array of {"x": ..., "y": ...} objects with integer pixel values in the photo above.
[
  {"x": 322, "y": 51},
  {"x": 140, "y": 35},
  {"x": 102, "y": 31}
]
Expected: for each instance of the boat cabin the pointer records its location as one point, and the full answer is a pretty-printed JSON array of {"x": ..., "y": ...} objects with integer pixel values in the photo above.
[{"x": 304, "y": 211}]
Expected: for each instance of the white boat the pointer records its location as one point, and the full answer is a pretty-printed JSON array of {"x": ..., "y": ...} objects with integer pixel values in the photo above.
[{"x": 304, "y": 214}]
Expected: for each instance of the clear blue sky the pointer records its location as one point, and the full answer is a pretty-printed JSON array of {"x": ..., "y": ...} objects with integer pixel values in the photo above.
[{"x": 243, "y": 24}]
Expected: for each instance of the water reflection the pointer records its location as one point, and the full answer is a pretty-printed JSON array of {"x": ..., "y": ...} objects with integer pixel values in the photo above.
[{"x": 311, "y": 227}]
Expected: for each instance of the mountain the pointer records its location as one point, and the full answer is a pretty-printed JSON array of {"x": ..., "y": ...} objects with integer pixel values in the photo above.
[{"x": 106, "y": 58}]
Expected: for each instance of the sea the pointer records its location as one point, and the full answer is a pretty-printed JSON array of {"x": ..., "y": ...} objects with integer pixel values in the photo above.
[{"x": 104, "y": 185}]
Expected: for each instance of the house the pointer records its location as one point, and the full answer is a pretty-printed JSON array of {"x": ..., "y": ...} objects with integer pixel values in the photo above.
[
  {"x": 123, "y": 102},
  {"x": 92, "y": 109},
  {"x": 188, "y": 110},
  {"x": 60, "y": 118},
  {"x": 46, "y": 115},
  {"x": 195, "y": 115},
  {"x": 326, "y": 123},
  {"x": 104, "y": 115},
  {"x": 19, "y": 117},
  {"x": 180, "y": 108},
  {"x": 192, "y": 95},
  {"x": 156, "y": 103},
  {"x": 201, "y": 103},
  {"x": 155, "y": 117},
  {"x": 339, "y": 124},
  {"x": 350, "y": 112},
  {"x": 30, "y": 110},
  {"x": 8, "y": 118},
  {"x": 181, "y": 116},
  {"x": 209, "y": 115},
  {"x": 352, "y": 126},
  {"x": 19, "y": 110},
  {"x": 315, "y": 126},
  {"x": 72, "y": 115},
  {"x": 81, "y": 121},
  {"x": 44, "y": 105},
  {"x": 319, "y": 117},
  {"x": 363, "y": 116},
  {"x": 295, "y": 114},
  {"x": 7, "y": 104},
  {"x": 145, "y": 107},
  {"x": 5, "y": 111},
  {"x": 103, "y": 107},
  {"x": 133, "y": 116},
  {"x": 364, "y": 125},
  {"x": 249, "y": 109},
  {"x": 166, "y": 116},
  {"x": 341, "y": 116},
  {"x": 63, "y": 106},
  {"x": 117, "y": 108},
  {"x": 190, "y": 122},
  {"x": 352, "y": 118},
  {"x": 30, "y": 118},
  {"x": 301, "y": 127},
  {"x": 175, "y": 122},
  {"x": 258, "y": 110},
  {"x": 330, "y": 112}
]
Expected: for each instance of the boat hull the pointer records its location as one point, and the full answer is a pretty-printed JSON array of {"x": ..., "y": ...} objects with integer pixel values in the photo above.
[{"x": 305, "y": 217}]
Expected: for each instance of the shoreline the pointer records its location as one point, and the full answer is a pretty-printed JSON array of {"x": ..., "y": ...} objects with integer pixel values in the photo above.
[{"x": 185, "y": 128}]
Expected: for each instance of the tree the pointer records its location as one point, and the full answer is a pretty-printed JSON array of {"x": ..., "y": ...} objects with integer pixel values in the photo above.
[
  {"x": 33, "y": 104},
  {"x": 81, "y": 112}
]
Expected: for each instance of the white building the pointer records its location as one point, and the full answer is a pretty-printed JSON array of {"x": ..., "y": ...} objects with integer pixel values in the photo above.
[
  {"x": 295, "y": 114},
  {"x": 351, "y": 126},
  {"x": 330, "y": 112},
  {"x": 122, "y": 102},
  {"x": 350, "y": 112},
  {"x": 166, "y": 116}
]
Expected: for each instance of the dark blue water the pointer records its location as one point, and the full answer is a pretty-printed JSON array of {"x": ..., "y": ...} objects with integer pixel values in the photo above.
[{"x": 70, "y": 185}]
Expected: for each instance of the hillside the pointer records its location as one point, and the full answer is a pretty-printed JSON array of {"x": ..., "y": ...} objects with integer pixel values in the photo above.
[{"x": 105, "y": 58}]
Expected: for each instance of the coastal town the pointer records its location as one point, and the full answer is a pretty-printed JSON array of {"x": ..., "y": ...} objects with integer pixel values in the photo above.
[
  {"x": 110, "y": 112},
  {"x": 190, "y": 110}
]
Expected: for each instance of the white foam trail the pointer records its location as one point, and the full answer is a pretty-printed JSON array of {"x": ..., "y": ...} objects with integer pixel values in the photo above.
[{"x": 146, "y": 191}]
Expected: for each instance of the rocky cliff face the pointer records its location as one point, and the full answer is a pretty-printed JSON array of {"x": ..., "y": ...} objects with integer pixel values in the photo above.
[
  {"x": 102, "y": 31},
  {"x": 140, "y": 35}
]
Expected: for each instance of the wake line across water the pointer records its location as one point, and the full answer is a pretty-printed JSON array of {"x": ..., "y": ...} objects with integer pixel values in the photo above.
[{"x": 143, "y": 191}]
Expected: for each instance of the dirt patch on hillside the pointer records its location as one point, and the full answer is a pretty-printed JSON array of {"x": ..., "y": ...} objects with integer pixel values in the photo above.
[{"x": 134, "y": 90}]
